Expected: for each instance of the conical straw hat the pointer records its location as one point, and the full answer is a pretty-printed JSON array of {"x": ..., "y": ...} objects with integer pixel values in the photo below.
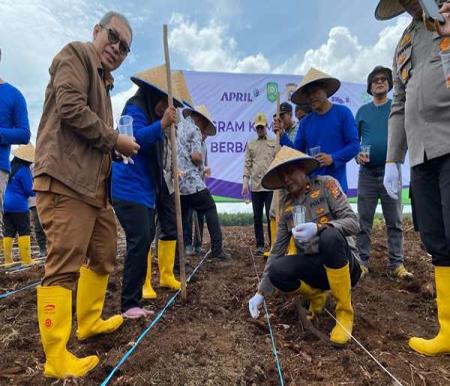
[
  {"x": 387, "y": 9},
  {"x": 24, "y": 152},
  {"x": 313, "y": 75},
  {"x": 203, "y": 111},
  {"x": 287, "y": 156},
  {"x": 155, "y": 80},
  {"x": 180, "y": 81}
]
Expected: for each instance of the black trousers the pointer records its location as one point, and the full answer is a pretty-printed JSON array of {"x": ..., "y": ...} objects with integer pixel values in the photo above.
[
  {"x": 38, "y": 231},
  {"x": 138, "y": 222},
  {"x": 188, "y": 228},
  {"x": 16, "y": 223},
  {"x": 430, "y": 184},
  {"x": 165, "y": 208},
  {"x": 259, "y": 201},
  {"x": 204, "y": 204},
  {"x": 286, "y": 272}
]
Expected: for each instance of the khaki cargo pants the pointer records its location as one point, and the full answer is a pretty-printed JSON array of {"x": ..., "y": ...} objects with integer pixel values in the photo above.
[{"x": 77, "y": 233}]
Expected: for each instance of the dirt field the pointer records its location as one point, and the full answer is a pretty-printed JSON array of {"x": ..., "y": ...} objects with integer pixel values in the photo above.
[{"x": 211, "y": 340}]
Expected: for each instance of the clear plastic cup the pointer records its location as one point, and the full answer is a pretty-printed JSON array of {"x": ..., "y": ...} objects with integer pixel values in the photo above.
[
  {"x": 313, "y": 151},
  {"x": 298, "y": 215},
  {"x": 445, "y": 60},
  {"x": 125, "y": 126},
  {"x": 365, "y": 153}
]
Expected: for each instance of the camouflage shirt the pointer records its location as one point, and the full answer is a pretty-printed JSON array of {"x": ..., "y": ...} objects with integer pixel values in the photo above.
[{"x": 325, "y": 203}]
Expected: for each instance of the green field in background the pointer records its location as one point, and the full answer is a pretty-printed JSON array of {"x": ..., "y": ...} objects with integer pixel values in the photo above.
[{"x": 353, "y": 200}]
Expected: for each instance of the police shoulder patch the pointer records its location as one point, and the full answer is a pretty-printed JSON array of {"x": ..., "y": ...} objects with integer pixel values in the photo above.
[{"x": 333, "y": 188}]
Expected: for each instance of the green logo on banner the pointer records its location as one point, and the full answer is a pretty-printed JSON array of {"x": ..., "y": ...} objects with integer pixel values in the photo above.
[{"x": 272, "y": 91}]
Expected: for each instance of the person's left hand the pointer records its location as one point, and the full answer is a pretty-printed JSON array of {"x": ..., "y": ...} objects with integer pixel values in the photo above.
[
  {"x": 304, "y": 232},
  {"x": 444, "y": 29},
  {"x": 324, "y": 159},
  {"x": 207, "y": 172}
]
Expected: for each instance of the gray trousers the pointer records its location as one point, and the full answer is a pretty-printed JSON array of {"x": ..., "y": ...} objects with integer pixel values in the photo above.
[
  {"x": 370, "y": 189},
  {"x": 3, "y": 182}
]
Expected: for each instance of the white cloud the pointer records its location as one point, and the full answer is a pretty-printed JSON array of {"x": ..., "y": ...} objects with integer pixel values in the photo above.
[
  {"x": 210, "y": 48},
  {"x": 31, "y": 33},
  {"x": 343, "y": 56}
]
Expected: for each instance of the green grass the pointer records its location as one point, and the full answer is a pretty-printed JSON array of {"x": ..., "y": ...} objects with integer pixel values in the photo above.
[{"x": 353, "y": 200}]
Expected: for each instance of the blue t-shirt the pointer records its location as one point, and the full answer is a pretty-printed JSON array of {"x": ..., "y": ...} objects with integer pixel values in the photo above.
[
  {"x": 18, "y": 190},
  {"x": 335, "y": 132},
  {"x": 134, "y": 183},
  {"x": 372, "y": 123},
  {"x": 14, "y": 126}
]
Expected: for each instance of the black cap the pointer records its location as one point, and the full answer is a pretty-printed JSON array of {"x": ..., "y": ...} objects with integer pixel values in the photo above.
[
  {"x": 375, "y": 71},
  {"x": 285, "y": 107}
]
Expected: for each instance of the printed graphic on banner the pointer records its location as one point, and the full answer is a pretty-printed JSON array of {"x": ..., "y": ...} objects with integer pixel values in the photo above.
[{"x": 234, "y": 99}]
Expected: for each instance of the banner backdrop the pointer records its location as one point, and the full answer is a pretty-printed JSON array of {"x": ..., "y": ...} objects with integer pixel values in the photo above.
[{"x": 234, "y": 99}]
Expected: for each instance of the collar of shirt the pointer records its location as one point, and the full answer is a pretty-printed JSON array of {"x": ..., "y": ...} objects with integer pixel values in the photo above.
[
  {"x": 105, "y": 75},
  {"x": 262, "y": 138}
]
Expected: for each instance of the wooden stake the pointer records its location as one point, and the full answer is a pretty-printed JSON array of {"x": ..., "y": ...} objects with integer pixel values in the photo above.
[
  {"x": 277, "y": 149},
  {"x": 173, "y": 141}
]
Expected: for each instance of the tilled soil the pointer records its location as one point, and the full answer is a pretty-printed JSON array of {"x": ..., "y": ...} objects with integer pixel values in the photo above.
[{"x": 209, "y": 339}]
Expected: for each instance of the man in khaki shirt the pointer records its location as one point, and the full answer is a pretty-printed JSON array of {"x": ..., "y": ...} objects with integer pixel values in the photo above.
[
  {"x": 258, "y": 156},
  {"x": 420, "y": 123},
  {"x": 75, "y": 143}
]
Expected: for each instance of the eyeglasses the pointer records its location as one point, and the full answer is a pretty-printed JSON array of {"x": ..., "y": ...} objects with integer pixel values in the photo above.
[
  {"x": 113, "y": 38},
  {"x": 379, "y": 79}
]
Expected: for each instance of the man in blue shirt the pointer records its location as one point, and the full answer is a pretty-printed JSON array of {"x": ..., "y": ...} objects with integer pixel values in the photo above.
[
  {"x": 14, "y": 130},
  {"x": 330, "y": 126},
  {"x": 372, "y": 123}
]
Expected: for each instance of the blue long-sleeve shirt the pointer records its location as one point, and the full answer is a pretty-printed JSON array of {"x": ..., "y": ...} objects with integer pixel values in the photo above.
[
  {"x": 14, "y": 125},
  {"x": 18, "y": 190},
  {"x": 134, "y": 183},
  {"x": 335, "y": 132}
]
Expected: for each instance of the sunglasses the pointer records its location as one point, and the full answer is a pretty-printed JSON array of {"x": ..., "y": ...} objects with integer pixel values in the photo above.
[
  {"x": 379, "y": 79},
  {"x": 113, "y": 38}
]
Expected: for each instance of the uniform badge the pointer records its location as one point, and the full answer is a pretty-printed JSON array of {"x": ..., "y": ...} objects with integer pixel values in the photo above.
[
  {"x": 334, "y": 189},
  {"x": 320, "y": 210},
  {"x": 315, "y": 193},
  {"x": 444, "y": 44},
  {"x": 323, "y": 220},
  {"x": 405, "y": 40},
  {"x": 404, "y": 74}
]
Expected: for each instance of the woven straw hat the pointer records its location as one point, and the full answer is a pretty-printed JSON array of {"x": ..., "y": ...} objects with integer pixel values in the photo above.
[
  {"x": 155, "y": 80},
  {"x": 312, "y": 76},
  {"x": 24, "y": 152},
  {"x": 180, "y": 83},
  {"x": 203, "y": 111},
  {"x": 287, "y": 156},
  {"x": 387, "y": 9}
]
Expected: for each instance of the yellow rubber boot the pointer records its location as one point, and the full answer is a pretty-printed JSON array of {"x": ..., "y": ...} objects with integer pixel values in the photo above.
[
  {"x": 292, "y": 249},
  {"x": 166, "y": 260},
  {"x": 440, "y": 344},
  {"x": 340, "y": 284},
  {"x": 317, "y": 298},
  {"x": 25, "y": 250},
  {"x": 7, "y": 250},
  {"x": 147, "y": 290},
  {"x": 273, "y": 234},
  {"x": 91, "y": 293},
  {"x": 54, "y": 309}
]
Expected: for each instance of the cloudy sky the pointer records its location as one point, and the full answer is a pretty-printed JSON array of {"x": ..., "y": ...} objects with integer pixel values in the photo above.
[{"x": 341, "y": 37}]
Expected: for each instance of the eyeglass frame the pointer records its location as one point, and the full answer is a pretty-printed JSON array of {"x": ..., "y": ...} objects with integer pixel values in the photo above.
[
  {"x": 115, "y": 38},
  {"x": 379, "y": 79}
]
